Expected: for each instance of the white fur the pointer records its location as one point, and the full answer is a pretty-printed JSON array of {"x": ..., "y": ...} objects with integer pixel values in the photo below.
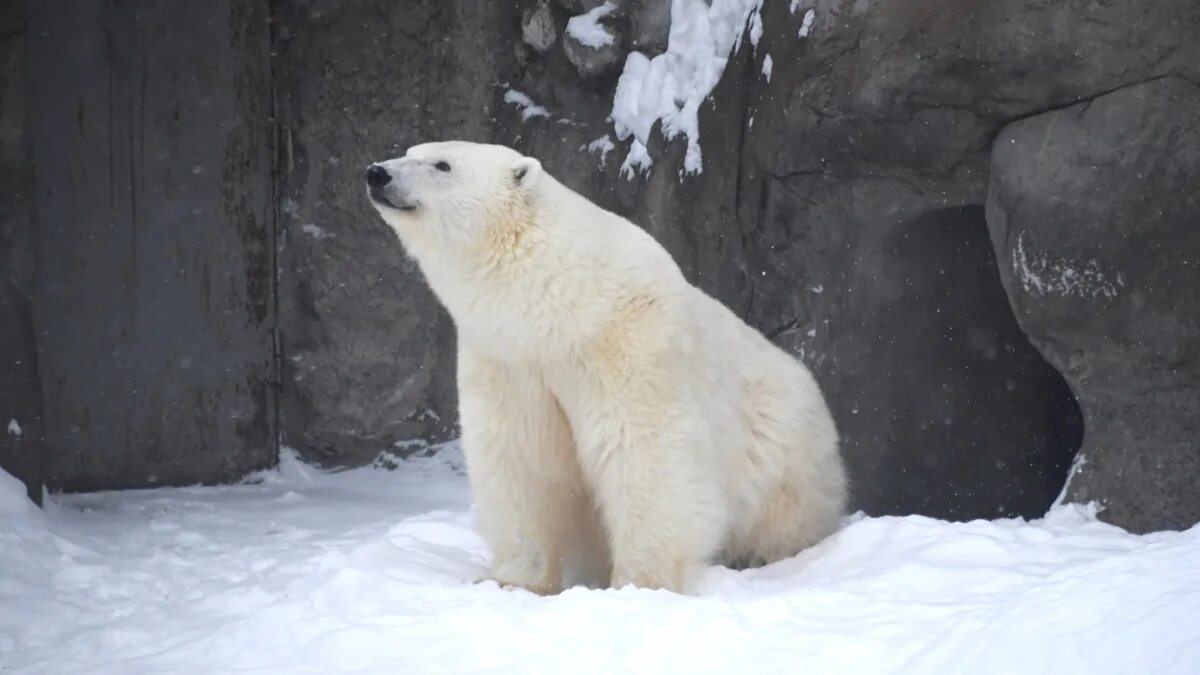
[{"x": 620, "y": 426}]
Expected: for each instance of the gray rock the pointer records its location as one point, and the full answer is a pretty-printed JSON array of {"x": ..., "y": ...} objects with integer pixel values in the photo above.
[
  {"x": 369, "y": 353},
  {"x": 1095, "y": 212},
  {"x": 579, "y": 6},
  {"x": 537, "y": 28},
  {"x": 650, "y": 25},
  {"x": 592, "y": 61}
]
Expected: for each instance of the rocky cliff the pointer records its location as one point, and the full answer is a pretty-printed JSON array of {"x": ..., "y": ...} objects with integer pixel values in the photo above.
[{"x": 867, "y": 173}]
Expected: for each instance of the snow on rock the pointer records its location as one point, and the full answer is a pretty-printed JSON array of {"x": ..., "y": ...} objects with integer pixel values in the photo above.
[
  {"x": 376, "y": 571},
  {"x": 1077, "y": 465},
  {"x": 671, "y": 86},
  {"x": 315, "y": 231},
  {"x": 767, "y": 66},
  {"x": 528, "y": 108},
  {"x": 587, "y": 30},
  {"x": 756, "y": 27},
  {"x": 637, "y": 160},
  {"x": 602, "y": 145},
  {"x": 14, "y": 428},
  {"x": 1045, "y": 274},
  {"x": 807, "y": 22}
]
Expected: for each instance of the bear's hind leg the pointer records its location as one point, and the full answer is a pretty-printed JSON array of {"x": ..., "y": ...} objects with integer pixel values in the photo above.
[
  {"x": 533, "y": 507},
  {"x": 802, "y": 509}
]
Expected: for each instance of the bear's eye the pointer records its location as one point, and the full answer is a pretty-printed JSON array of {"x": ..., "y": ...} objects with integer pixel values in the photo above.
[{"x": 442, "y": 166}]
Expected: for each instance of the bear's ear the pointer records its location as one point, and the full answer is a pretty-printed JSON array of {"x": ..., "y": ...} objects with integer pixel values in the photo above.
[{"x": 526, "y": 172}]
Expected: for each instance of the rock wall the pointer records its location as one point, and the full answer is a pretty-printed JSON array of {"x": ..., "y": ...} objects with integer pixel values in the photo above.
[
  {"x": 368, "y": 351},
  {"x": 840, "y": 209},
  {"x": 21, "y": 450},
  {"x": 153, "y": 294}
]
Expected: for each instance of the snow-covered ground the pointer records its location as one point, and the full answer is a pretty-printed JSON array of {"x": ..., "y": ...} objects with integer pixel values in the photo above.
[{"x": 371, "y": 571}]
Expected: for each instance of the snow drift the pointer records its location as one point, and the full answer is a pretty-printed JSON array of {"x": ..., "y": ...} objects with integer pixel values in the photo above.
[{"x": 373, "y": 571}]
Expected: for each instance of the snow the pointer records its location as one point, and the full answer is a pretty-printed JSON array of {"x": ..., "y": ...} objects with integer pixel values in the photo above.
[
  {"x": 638, "y": 159},
  {"x": 14, "y": 427},
  {"x": 1044, "y": 274},
  {"x": 371, "y": 570},
  {"x": 586, "y": 28},
  {"x": 756, "y": 27},
  {"x": 671, "y": 86},
  {"x": 315, "y": 231},
  {"x": 807, "y": 22},
  {"x": 528, "y": 108},
  {"x": 602, "y": 145},
  {"x": 1077, "y": 465},
  {"x": 767, "y": 66}
]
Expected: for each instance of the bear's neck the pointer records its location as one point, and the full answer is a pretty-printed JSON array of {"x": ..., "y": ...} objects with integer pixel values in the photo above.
[{"x": 525, "y": 297}]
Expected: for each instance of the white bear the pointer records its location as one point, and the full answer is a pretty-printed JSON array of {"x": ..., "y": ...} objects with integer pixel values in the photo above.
[{"x": 620, "y": 426}]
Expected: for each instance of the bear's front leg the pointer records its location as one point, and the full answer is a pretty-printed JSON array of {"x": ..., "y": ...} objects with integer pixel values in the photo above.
[
  {"x": 524, "y": 474},
  {"x": 662, "y": 504}
]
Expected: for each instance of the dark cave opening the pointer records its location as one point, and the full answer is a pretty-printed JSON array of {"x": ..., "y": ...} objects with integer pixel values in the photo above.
[{"x": 977, "y": 424}]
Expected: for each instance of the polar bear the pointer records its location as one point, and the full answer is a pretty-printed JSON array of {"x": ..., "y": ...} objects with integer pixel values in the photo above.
[{"x": 620, "y": 426}]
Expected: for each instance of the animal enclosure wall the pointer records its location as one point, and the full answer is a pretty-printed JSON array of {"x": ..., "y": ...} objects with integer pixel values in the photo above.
[
  {"x": 199, "y": 165},
  {"x": 153, "y": 307}
]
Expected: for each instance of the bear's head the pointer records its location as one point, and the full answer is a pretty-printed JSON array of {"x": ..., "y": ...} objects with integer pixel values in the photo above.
[{"x": 445, "y": 196}]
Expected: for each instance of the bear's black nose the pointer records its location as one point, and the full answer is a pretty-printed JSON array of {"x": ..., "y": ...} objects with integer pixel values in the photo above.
[{"x": 377, "y": 176}]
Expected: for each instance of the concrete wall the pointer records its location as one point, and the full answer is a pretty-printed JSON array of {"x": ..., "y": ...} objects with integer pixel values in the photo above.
[
  {"x": 21, "y": 451},
  {"x": 153, "y": 305}
]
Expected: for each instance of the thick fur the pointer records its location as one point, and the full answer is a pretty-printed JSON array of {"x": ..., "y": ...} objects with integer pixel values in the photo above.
[{"x": 620, "y": 426}]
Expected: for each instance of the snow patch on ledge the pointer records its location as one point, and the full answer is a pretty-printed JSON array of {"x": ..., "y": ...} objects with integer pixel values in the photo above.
[
  {"x": 602, "y": 145},
  {"x": 756, "y": 28},
  {"x": 587, "y": 30},
  {"x": 528, "y": 108},
  {"x": 671, "y": 86},
  {"x": 1047, "y": 275},
  {"x": 807, "y": 22},
  {"x": 315, "y": 231},
  {"x": 14, "y": 428},
  {"x": 636, "y": 161}
]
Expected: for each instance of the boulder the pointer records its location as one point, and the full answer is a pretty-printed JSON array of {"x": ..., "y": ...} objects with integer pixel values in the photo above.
[
  {"x": 649, "y": 25},
  {"x": 537, "y": 28},
  {"x": 1094, "y": 210},
  {"x": 597, "y": 48}
]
